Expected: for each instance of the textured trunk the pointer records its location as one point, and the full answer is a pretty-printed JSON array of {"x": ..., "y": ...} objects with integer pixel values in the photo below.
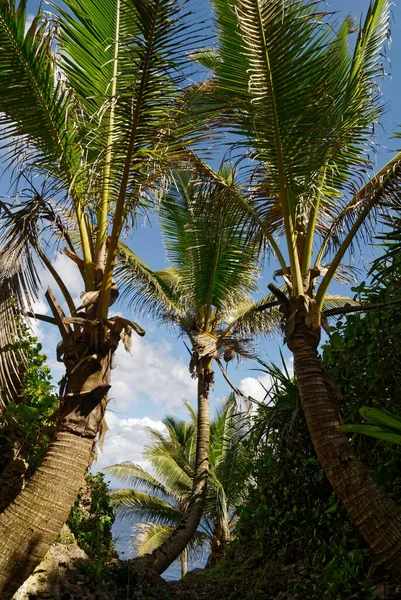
[
  {"x": 162, "y": 557},
  {"x": 184, "y": 563},
  {"x": 31, "y": 523},
  {"x": 373, "y": 512},
  {"x": 219, "y": 543}
]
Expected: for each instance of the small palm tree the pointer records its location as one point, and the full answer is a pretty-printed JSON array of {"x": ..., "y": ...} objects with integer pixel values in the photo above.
[
  {"x": 158, "y": 502},
  {"x": 302, "y": 96},
  {"x": 206, "y": 296}
]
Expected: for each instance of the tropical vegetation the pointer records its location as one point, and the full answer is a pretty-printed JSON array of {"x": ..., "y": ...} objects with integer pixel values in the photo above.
[
  {"x": 304, "y": 99},
  {"x": 156, "y": 503},
  {"x": 206, "y": 295},
  {"x": 113, "y": 110},
  {"x": 91, "y": 109}
]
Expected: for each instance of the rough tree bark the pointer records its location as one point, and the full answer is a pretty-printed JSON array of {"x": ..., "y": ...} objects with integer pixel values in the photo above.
[
  {"x": 31, "y": 523},
  {"x": 162, "y": 557},
  {"x": 377, "y": 517},
  {"x": 219, "y": 543}
]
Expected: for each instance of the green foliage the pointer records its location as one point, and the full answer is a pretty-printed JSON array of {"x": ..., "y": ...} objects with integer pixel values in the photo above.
[
  {"x": 91, "y": 519},
  {"x": 292, "y": 516},
  {"x": 357, "y": 354},
  {"x": 291, "y": 513},
  {"x": 363, "y": 357},
  {"x": 157, "y": 503},
  {"x": 386, "y": 426},
  {"x": 34, "y": 411}
]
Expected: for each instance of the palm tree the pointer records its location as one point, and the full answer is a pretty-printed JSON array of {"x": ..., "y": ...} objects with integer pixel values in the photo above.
[
  {"x": 205, "y": 295},
  {"x": 158, "y": 502},
  {"x": 302, "y": 94},
  {"x": 90, "y": 113}
]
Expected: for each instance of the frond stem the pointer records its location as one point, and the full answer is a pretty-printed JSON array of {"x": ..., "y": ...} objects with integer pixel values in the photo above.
[
  {"x": 63, "y": 288},
  {"x": 284, "y": 195},
  {"x": 102, "y": 212},
  {"x": 39, "y": 317},
  {"x": 345, "y": 310},
  {"x": 383, "y": 177},
  {"x": 118, "y": 220}
]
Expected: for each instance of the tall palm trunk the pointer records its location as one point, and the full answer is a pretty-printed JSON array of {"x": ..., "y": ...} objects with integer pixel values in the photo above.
[
  {"x": 31, "y": 523},
  {"x": 164, "y": 555},
  {"x": 184, "y": 563},
  {"x": 373, "y": 512}
]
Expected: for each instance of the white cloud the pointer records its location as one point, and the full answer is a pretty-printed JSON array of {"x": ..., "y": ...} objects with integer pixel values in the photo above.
[
  {"x": 256, "y": 387},
  {"x": 150, "y": 373},
  {"x": 68, "y": 272},
  {"x": 125, "y": 441},
  {"x": 30, "y": 17}
]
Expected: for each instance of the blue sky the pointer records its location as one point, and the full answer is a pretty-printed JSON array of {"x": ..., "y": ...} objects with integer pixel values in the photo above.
[{"x": 154, "y": 380}]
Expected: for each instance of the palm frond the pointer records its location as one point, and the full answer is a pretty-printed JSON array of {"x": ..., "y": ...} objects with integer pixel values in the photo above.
[
  {"x": 229, "y": 459},
  {"x": 182, "y": 437},
  {"x": 170, "y": 468},
  {"x": 19, "y": 287},
  {"x": 137, "y": 507},
  {"x": 156, "y": 292},
  {"x": 310, "y": 137},
  {"x": 149, "y": 536},
  {"x": 151, "y": 74},
  {"x": 273, "y": 67},
  {"x": 215, "y": 260},
  {"x": 279, "y": 413},
  {"x": 36, "y": 112},
  {"x": 135, "y": 476},
  {"x": 89, "y": 43},
  {"x": 253, "y": 318}
]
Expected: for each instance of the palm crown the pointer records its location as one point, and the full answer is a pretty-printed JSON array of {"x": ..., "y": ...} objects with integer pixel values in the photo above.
[
  {"x": 306, "y": 101},
  {"x": 206, "y": 292},
  {"x": 91, "y": 115}
]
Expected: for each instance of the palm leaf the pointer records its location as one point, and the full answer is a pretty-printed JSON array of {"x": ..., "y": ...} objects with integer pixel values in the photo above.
[
  {"x": 19, "y": 287},
  {"x": 156, "y": 292},
  {"x": 36, "y": 112},
  {"x": 252, "y": 318},
  {"x": 215, "y": 260},
  {"x": 135, "y": 476},
  {"x": 137, "y": 506},
  {"x": 309, "y": 136},
  {"x": 170, "y": 468},
  {"x": 149, "y": 536}
]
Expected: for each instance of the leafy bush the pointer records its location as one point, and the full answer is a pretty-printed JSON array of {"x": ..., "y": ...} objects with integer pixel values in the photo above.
[
  {"x": 91, "y": 520},
  {"x": 363, "y": 356},
  {"x": 292, "y": 516},
  {"x": 33, "y": 413}
]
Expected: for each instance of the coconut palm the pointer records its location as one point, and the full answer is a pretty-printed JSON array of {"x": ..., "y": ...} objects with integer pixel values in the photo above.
[
  {"x": 158, "y": 502},
  {"x": 301, "y": 92},
  {"x": 90, "y": 114},
  {"x": 206, "y": 296}
]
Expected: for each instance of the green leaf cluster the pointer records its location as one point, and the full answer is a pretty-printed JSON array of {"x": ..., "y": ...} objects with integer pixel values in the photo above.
[
  {"x": 91, "y": 520},
  {"x": 34, "y": 411}
]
